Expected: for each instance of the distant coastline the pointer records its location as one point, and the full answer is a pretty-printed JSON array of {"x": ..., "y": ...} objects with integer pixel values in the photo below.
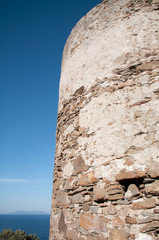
[{"x": 29, "y": 213}]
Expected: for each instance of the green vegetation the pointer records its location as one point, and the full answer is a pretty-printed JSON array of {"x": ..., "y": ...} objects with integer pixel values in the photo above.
[{"x": 8, "y": 234}]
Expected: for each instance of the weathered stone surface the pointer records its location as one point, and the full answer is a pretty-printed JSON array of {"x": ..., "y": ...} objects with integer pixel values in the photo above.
[
  {"x": 57, "y": 184},
  {"x": 148, "y": 180},
  {"x": 130, "y": 220},
  {"x": 107, "y": 136},
  {"x": 123, "y": 202},
  {"x": 114, "y": 197},
  {"x": 68, "y": 169},
  {"x": 87, "y": 179},
  {"x": 109, "y": 193},
  {"x": 116, "y": 234},
  {"x": 61, "y": 199},
  {"x": 62, "y": 226},
  {"x": 150, "y": 227},
  {"x": 153, "y": 170},
  {"x": 79, "y": 91},
  {"x": 144, "y": 79},
  {"x": 144, "y": 220},
  {"x": 96, "y": 237},
  {"x": 132, "y": 192},
  {"x": 111, "y": 210},
  {"x": 130, "y": 175},
  {"x": 114, "y": 187},
  {"x": 149, "y": 203},
  {"x": 70, "y": 184},
  {"x": 79, "y": 165},
  {"x": 156, "y": 210},
  {"x": 93, "y": 222},
  {"x": 148, "y": 66},
  {"x": 154, "y": 173},
  {"x": 71, "y": 234},
  {"x": 99, "y": 193},
  {"x": 149, "y": 219},
  {"x": 94, "y": 209},
  {"x": 152, "y": 188},
  {"x": 77, "y": 198},
  {"x": 86, "y": 207},
  {"x": 117, "y": 221}
]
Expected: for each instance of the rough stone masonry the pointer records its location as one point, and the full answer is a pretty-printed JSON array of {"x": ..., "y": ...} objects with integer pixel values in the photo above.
[{"x": 106, "y": 175}]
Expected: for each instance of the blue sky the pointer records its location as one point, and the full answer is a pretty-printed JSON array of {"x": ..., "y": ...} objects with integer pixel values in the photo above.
[{"x": 32, "y": 37}]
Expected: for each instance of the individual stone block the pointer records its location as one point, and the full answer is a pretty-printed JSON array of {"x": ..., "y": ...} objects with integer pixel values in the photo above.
[
  {"x": 96, "y": 237},
  {"x": 156, "y": 210},
  {"x": 130, "y": 175},
  {"x": 117, "y": 221},
  {"x": 114, "y": 197},
  {"x": 148, "y": 66},
  {"x": 87, "y": 179},
  {"x": 144, "y": 79},
  {"x": 77, "y": 198},
  {"x": 144, "y": 220},
  {"x": 111, "y": 210},
  {"x": 61, "y": 199},
  {"x": 122, "y": 202},
  {"x": 70, "y": 183},
  {"x": 93, "y": 222},
  {"x": 150, "y": 227},
  {"x": 79, "y": 91},
  {"x": 149, "y": 219},
  {"x": 93, "y": 209},
  {"x": 117, "y": 234},
  {"x": 154, "y": 169},
  {"x": 130, "y": 220},
  {"x": 152, "y": 188},
  {"x": 148, "y": 180},
  {"x": 79, "y": 165},
  {"x": 149, "y": 203},
  {"x": 99, "y": 193},
  {"x": 132, "y": 192},
  {"x": 62, "y": 226},
  {"x": 71, "y": 234},
  {"x": 86, "y": 207}
]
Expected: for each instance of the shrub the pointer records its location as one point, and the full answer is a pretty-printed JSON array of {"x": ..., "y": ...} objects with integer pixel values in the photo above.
[{"x": 8, "y": 234}]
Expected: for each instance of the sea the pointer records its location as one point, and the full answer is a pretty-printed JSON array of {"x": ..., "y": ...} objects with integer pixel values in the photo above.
[{"x": 38, "y": 224}]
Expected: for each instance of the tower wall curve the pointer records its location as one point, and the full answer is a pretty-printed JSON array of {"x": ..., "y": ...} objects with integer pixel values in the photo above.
[{"x": 106, "y": 175}]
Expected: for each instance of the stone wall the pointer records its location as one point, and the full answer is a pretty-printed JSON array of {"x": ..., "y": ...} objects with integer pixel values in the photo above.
[{"x": 106, "y": 175}]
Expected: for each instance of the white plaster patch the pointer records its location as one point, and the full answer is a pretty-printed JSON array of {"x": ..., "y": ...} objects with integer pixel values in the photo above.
[
  {"x": 96, "y": 49},
  {"x": 142, "y": 236},
  {"x": 69, "y": 129},
  {"x": 68, "y": 170},
  {"x": 105, "y": 172}
]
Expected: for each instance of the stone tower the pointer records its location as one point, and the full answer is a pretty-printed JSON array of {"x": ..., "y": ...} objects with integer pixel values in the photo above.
[{"x": 106, "y": 175}]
